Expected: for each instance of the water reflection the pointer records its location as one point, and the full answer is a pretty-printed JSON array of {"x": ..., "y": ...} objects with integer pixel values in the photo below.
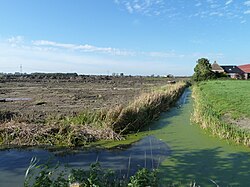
[{"x": 148, "y": 152}]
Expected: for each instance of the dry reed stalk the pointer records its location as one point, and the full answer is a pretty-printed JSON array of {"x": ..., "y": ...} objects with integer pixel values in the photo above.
[{"x": 92, "y": 126}]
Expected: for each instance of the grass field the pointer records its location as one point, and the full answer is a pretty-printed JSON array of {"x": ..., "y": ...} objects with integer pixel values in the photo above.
[
  {"x": 223, "y": 108},
  {"x": 228, "y": 97}
]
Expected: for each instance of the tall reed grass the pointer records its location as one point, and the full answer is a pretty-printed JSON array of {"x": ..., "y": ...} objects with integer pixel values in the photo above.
[
  {"x": 145, "y": 108},
  {"x": 89, "y": 126},
  {"x": 137, "y": 114}
]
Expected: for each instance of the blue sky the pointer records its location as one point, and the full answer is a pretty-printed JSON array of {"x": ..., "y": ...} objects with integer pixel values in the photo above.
[{"x": 138, "y": 37}]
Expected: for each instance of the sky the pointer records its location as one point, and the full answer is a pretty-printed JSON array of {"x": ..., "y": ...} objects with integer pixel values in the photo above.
[{"x": 134, "y": 37}]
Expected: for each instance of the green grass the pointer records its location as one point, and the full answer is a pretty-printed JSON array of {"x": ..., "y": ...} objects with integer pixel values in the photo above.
[
  {"x": 214, "y": 99},
  {"x": 228, "y": 97}
]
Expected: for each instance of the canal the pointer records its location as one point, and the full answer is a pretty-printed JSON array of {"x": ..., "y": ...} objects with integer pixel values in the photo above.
[{"x": 181, "y": 151}]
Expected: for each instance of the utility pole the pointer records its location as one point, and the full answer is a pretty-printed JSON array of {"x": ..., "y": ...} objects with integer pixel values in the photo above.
[{"x": 21, "y": 69}]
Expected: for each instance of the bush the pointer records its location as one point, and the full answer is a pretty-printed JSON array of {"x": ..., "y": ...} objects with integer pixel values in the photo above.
[
  {"x": 95, "y": 177},
  {"x": 144, "y": 177}
]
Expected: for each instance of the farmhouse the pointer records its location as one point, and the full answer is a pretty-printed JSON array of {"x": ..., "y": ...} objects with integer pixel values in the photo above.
[
  {"x": 230, "y": 70},
  {"x": 246, "y": 69},
  {"x": 216, "y": 68},
  {"x": 234, "y": 72}
]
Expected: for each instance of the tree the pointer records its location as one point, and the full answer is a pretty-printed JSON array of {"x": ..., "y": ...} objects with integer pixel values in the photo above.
[{"x": 203, "y": 70}]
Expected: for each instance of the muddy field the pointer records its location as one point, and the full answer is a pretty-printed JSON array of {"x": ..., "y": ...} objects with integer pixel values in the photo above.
[{"x": 37, "y": 99}]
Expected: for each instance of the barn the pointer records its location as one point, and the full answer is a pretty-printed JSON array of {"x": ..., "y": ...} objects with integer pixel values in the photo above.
[
  {"x": 246, "y": 69},
  {"x": 232, "y": 71}
]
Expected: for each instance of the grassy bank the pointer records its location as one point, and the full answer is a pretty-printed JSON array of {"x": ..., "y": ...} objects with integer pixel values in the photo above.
[
  {"x": 222, "y": 107},
  {"x": 88, "y": 126}
]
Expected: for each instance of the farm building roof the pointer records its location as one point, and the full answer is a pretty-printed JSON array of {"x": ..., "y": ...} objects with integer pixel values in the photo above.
[
  {"x": 216, "y": 67},
  {"x": 232, "y": 69},
  {"x": 245, "y": 68}
]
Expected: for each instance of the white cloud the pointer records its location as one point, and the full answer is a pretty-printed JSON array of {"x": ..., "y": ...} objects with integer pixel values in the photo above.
[
  {"x": 216, "y": 14},
  {"x": 50, "y": 56},
  {"x": 116, "y": 1},
  {"x": 33, "y": 59},
  {"x": 137, "y": 7},
  {"x": 175, "y": 10},
  {"x": 54, "y": 44},
  {"x": 247, "y": 12},
  {"x": 228, "y": 2},
  {"x": 129, "y": 7},
  {"x": 84, "y": 48},
  {"x": 15, "y": 40},
  {"x": 44, "y": 45},
  {"x": 247, "y": 3},
  {"x": 145, "y": 7},
  {"x": 198, "y": 4},
  {"x": 211, "y": 2}
]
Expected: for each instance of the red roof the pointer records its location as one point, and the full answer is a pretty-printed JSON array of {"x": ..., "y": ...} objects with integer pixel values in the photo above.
[{"x": 245, "y": 68}]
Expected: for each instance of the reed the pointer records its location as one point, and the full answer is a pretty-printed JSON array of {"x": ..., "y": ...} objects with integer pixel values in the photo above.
[
  {"x": 145, "y": 108},
  {"x": 92, "y": 125}
]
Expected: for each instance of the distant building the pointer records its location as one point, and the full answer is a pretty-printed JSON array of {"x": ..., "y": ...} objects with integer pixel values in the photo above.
[
  {"x": 217, "y": 68},
  {"x": 234, "y": 72},
  {"x": 231, "y": 71},
  {"x": 246, "y": 69}
]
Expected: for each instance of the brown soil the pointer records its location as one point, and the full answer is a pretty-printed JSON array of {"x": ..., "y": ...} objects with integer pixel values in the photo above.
[
  {"x": 62, "y": 97},
  {"x": 242, "y": 123}
]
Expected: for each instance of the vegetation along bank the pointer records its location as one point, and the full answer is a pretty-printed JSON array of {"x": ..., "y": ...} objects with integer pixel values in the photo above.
[
  {"x": 95, "y": 176},
  {"x": 91, "y": 125},
  {"x": 222, "y": 107}
]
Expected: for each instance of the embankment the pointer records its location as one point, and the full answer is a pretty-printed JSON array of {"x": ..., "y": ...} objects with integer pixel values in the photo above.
[
  {"x": 210, "y": 113},
  {"x": 89, "y": 126}
]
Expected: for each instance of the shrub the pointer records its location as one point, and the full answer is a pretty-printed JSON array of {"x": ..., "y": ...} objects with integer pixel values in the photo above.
[{"x": 94, "y": 177}]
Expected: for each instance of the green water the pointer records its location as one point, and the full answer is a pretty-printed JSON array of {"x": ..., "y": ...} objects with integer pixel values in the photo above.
[{"x": 195, "y": 154}]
